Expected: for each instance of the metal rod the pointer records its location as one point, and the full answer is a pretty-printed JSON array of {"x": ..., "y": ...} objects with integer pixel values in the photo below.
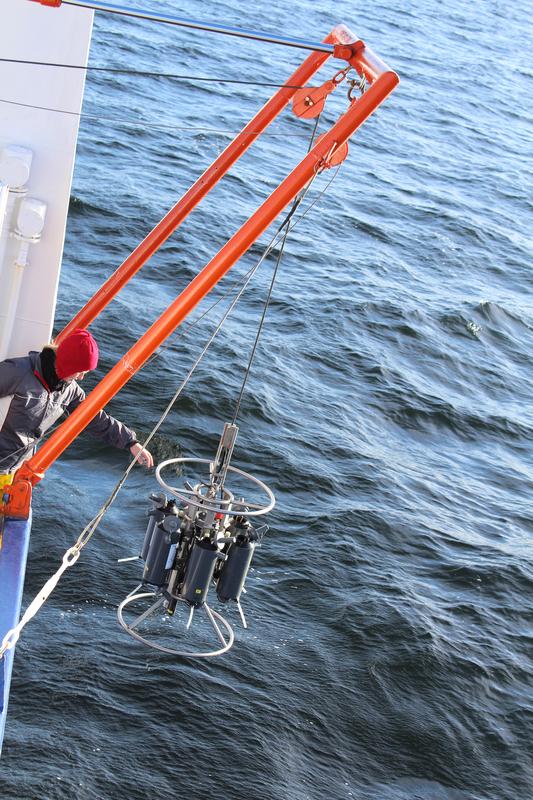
[
  {"x": 146, "y": 613},
  {"x": 214, "y": 624},
  {"x": 182, "y": 22},
  {"x": 241, "y": 613}
]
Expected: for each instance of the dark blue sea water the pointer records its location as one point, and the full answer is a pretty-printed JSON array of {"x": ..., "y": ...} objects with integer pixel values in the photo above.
[{"x": 389, "y": 653}]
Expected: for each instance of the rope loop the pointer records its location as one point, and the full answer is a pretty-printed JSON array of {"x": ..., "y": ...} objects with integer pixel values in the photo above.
[
  {"x": 71, "y": 555},
  {"x": 9, "y": 641},
  {"x": 340, "y": 75}
]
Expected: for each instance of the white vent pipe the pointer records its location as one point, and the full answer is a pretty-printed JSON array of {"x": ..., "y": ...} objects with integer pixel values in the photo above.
[
  {"x": 28, "y": 230},
  {"x": 15, "y": 166}
]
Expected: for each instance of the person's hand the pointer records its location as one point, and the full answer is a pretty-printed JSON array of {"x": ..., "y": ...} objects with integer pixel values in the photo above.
[{"x": 145, "y": 458}]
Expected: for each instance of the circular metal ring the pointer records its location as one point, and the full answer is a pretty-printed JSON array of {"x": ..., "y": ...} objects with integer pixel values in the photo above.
[
  {"x": 208, "y": 504},
  {"x": 184, "y": 653}
]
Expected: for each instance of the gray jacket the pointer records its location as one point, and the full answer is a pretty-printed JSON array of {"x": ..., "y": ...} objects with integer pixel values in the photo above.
[{"x": 34, "y": 409}]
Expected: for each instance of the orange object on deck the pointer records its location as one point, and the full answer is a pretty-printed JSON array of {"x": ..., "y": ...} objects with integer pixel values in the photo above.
[{"x": 329, "y": 144}]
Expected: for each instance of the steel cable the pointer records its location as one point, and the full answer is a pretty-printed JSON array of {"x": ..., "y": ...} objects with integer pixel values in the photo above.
[{"x": 72, "y": 554}]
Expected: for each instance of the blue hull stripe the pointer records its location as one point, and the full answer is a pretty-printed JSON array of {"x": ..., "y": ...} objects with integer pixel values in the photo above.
[{"x": 12, "y": 570}]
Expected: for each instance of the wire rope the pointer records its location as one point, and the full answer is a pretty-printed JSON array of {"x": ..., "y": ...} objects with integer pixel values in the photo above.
[
  {"x": 321, "y": 47},
  {"x": 188, "y": 327},
  {"x": 150, "y": 74},
  {"x": 285, "y": 226},
  {"x": 155, "y": 125},
  {"x": 72, "y": 554}
]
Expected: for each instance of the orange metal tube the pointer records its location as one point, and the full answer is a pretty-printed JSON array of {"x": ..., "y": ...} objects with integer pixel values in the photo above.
[
  {"x": 207, "y": 278},
  {"x": 368, "y": 62},
  {"x": 173, "y": 219}
]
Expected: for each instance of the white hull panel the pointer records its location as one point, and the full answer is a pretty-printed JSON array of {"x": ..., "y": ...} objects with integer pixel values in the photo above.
[{"x": 59, "y": 35}]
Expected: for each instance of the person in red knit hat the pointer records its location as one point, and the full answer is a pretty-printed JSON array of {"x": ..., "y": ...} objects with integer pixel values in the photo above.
[
  {"x": 44, "y": 386},
  {"x": 76, "y": 355}
]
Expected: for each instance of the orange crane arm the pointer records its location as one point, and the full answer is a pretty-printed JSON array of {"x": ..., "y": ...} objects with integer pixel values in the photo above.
[{"x": 17, "y": 497}]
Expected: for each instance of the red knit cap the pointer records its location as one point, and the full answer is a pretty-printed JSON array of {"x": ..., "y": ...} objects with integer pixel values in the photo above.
[{"x": 77, "y": 353}]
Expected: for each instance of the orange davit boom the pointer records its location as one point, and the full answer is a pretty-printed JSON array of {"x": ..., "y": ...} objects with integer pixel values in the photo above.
[{"x": 19, "y": 494}]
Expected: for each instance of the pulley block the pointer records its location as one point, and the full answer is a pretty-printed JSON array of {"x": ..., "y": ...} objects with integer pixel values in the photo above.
[
  {"x": 336, "y": 154},
  {"x": 309, "y": 101}
]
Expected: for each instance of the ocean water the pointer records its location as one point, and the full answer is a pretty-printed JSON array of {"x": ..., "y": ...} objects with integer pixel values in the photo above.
[{"x": 389, "y": 648}]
